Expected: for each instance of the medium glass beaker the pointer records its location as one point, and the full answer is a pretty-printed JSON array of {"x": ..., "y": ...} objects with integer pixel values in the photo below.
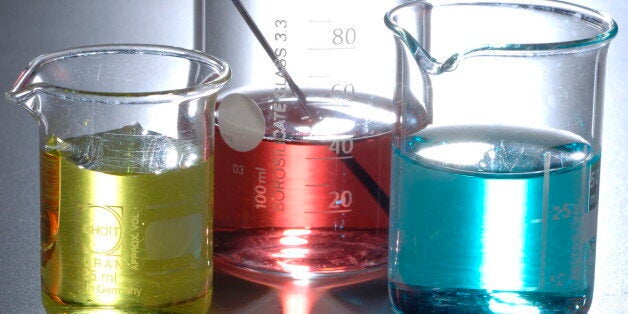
[
  {"x": 126, "y": 176},
  {"x": 494, "y": 203},
  {"x": 309, "y": 199}
]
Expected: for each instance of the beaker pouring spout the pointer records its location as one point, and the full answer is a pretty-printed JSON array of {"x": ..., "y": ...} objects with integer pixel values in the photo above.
[
  {"x": 440, "y": 34},
  {"x": 424, "y": 60},
  {"x": 24, "y": 93}
]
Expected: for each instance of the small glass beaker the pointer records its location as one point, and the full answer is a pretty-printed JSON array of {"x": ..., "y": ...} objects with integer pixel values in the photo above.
[
  {"x": 494, "y": 195},
  {"x": 126, "y": 146}
]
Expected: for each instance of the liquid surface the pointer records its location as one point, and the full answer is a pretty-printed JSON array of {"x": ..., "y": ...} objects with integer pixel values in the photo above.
[
  {"x": 124, "y": 229},
  {"x": 323, "y": 118},
  {"x": 496, "y": 219},
  {"x": 327, "y": 175}
]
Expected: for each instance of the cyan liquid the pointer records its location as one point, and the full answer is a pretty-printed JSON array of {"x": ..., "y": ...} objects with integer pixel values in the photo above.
[{"x": 493, "y": 219}]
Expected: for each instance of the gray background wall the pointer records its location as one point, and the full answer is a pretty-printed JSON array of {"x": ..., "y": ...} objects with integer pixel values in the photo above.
[{"x": 31, "y": 27}]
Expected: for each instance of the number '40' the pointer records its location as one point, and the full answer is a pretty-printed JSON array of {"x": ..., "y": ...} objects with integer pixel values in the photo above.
[{"x": 344, "y": 146}]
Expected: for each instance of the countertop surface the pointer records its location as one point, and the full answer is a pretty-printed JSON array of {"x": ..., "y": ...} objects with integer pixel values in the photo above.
[{"x": 29, "y": 28}]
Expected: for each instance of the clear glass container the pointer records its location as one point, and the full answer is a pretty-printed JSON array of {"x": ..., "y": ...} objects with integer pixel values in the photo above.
[
  {"x": 495, "y": 187},
  {"x": 126, "y": 148},
  {"x": 304, "y": 188}
]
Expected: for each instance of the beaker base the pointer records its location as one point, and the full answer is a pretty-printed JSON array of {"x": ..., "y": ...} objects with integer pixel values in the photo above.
[
  {"x": 54, "y": 304},
  {"x": 420, "y": 299},
  {"x": 318, "y": 256}
]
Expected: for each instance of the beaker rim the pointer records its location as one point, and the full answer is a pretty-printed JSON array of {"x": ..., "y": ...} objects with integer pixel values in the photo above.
[
  {"x": 22, "y": 89},
  {"x": 608, "y": 27}
]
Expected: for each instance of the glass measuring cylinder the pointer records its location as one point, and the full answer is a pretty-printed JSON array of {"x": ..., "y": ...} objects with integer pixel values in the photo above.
[
  {"x": 323, "y": 44},
  {"x": 494, "y": 203},
  {"x": 126, "y": 176},
  {"x": 311, "y": 200}
]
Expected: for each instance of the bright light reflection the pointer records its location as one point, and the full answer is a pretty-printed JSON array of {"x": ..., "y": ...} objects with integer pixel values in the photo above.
[
  {"x": 171, "y": 158},
  {"x": 291, "y": 253},
  {"x": 299, "y": 272},
  {"x": 368, "y": 112},
  {"x": 292, "y": 241},
  {"x": 295, "y": 304},
  {"x": 303, "y": 129},
  {"x": 579, "y": 156},
  {"x": 106, "y": 191},
  {"x": 296, "y": 232},
  {"x": 504, "y": 215},
  {"x": 192, "y": 108},
  {"x": 332, "y": 127},
  {"x": 192, "y": 158},
  {"x": 457, "y": 153},
  {"x": 508, "y": 302}
]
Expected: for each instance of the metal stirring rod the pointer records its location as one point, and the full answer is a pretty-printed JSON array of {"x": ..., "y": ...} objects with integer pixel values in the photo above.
[{"x": 269, "y": 50}]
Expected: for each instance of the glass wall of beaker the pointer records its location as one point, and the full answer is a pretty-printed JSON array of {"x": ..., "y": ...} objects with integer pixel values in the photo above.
[
  {"x": 494, "y": 204},
  {"x": 303, "y": 188},
  {"x": 126, "y": 175}
]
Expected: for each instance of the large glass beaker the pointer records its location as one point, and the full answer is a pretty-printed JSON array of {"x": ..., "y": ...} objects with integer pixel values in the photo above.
[
  {"x": 494, "y": 203},
  {"x": 126, "y": 134},
  {"x": 309, "y": 199}
]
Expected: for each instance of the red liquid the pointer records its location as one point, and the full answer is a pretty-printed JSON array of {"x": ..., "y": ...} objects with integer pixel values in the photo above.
[{"x": 304, "y": 208}]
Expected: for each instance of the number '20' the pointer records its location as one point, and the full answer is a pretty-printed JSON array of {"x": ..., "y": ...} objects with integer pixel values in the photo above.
[{"x": 341, "y": 199}]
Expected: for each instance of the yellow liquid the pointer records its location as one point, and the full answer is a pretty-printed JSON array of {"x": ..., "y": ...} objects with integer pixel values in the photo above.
[{"x": 125, "y": 243}]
